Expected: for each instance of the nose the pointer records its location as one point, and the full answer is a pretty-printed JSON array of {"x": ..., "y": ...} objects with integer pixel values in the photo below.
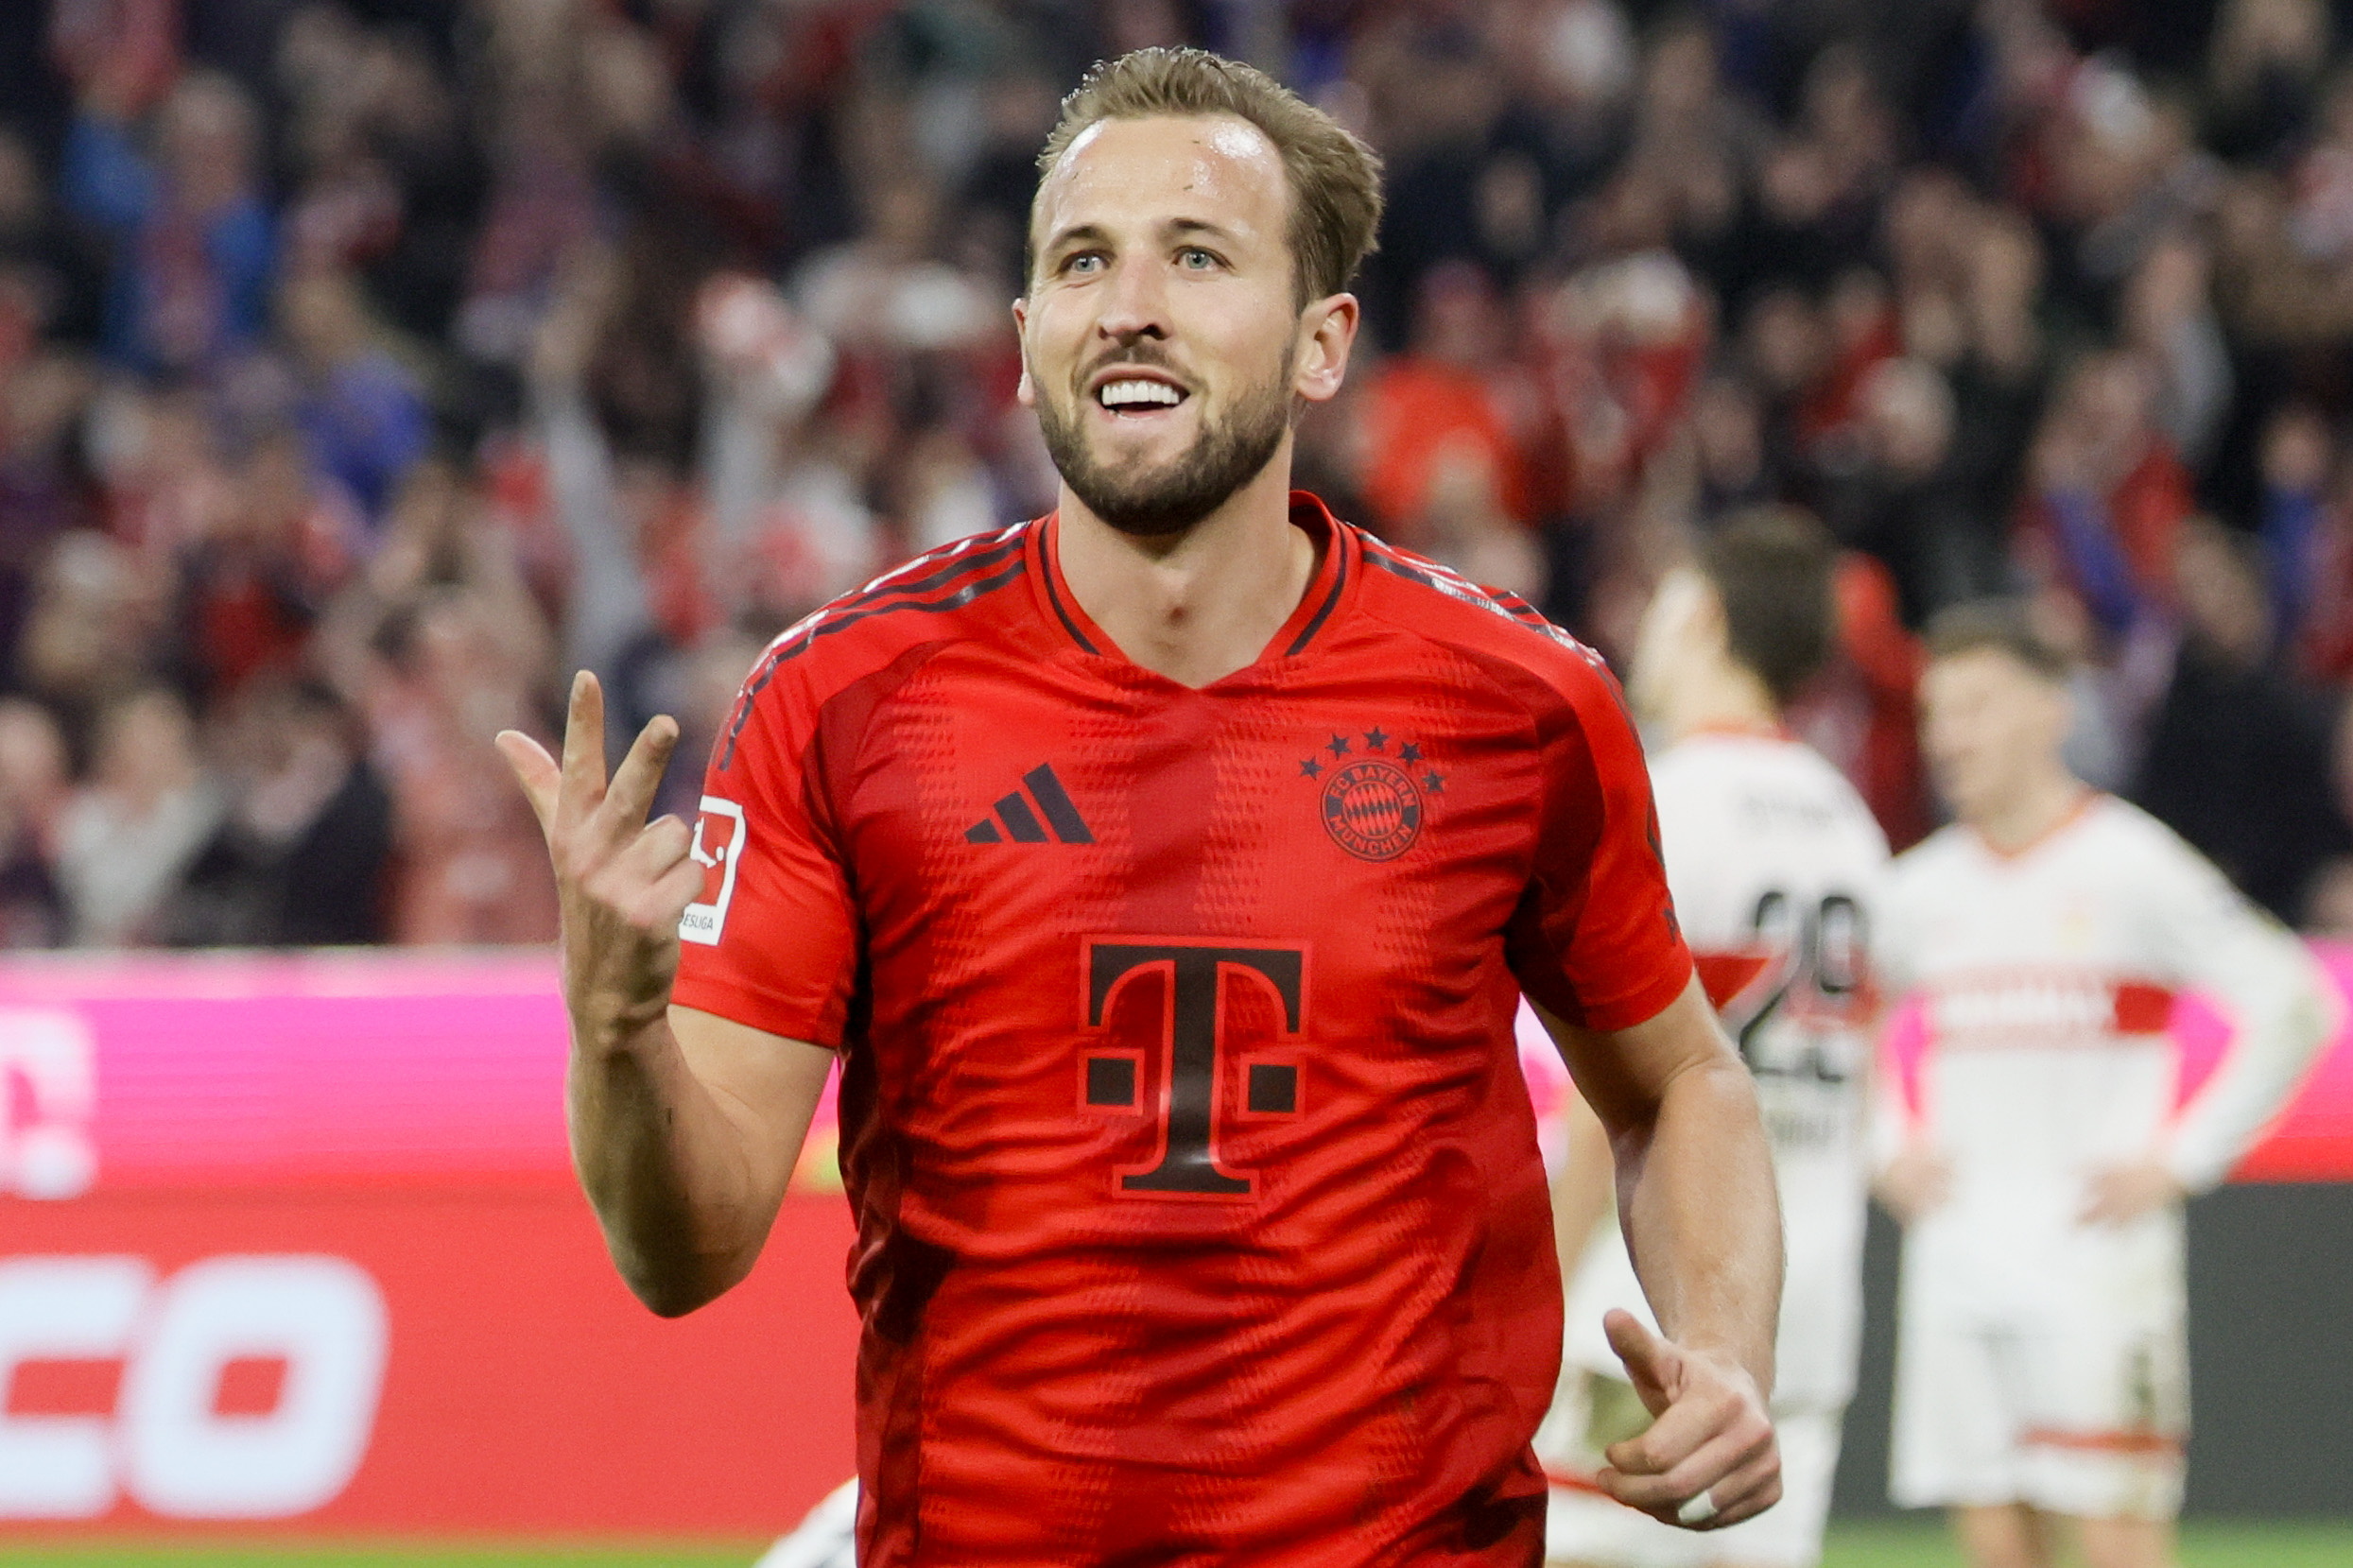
[{"x": 1135, "y": 303}]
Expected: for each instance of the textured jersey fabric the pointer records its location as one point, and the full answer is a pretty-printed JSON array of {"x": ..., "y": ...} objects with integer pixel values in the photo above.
[
  {"x": 1778, "y": 870},
  {"x": 1200, "y": 1215}
]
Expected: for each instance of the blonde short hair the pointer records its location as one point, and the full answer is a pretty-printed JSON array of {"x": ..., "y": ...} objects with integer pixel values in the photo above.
[{"x": 1335, "y": 179}]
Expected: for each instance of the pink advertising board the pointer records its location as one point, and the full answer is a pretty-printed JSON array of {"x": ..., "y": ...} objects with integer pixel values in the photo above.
[{"x": 131, "y": 1074}]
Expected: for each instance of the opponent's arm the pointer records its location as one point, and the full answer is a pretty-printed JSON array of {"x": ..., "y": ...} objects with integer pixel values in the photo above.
[
  {"x": 2282, "y": 1007},
  {"x": 1695, "y": 1194},
  {"x": 1581, "y": 1191},
  {"x": 684, "y": 1125}
]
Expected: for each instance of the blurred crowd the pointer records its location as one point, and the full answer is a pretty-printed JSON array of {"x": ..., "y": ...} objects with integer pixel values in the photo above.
[{"x": 367, "y": 365}]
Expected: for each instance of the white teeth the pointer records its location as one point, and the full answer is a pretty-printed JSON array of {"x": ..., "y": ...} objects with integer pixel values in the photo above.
[{"x": 1119, "y": 394}]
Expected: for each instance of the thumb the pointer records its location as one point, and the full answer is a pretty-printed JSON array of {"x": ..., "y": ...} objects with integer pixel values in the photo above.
[{"x": 1651, "y": 1362}]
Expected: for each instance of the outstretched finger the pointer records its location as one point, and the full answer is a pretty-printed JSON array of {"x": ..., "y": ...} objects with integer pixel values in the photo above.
[
  {"x": 634, "y": 782},
  {"x": 534, "y": 769},
  {"x": 1651, "y": 1362},
  {"x": 584, "y": 788}
]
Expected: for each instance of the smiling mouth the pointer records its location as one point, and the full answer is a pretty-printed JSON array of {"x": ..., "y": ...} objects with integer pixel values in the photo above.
[{"x": 1137, "y": 397}]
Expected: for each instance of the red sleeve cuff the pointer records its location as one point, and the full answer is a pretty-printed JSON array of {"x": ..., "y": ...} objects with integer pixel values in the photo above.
[
  {"x": 1639, "y": 1005},
  {"x": 818, "y": 1023}
]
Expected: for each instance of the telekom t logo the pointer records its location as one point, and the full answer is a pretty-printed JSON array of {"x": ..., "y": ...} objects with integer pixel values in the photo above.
[{"x": 1194, "y": 1059}]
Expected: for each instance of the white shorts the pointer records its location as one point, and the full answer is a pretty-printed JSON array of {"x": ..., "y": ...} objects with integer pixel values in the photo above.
[
  {"x": 2074, "y": 1413},
  {"x": 1583, "y": 1526},
  {"x": 827, "y": 1538}
]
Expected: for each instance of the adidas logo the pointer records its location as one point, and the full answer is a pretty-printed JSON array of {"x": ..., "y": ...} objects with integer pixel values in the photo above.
[{"x": 1020, "y": 820}]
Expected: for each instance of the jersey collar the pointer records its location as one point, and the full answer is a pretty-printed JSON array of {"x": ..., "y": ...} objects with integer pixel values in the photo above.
[
  {"x": 2087, "y": 798},
  {"x": 1338, "y": 566}
]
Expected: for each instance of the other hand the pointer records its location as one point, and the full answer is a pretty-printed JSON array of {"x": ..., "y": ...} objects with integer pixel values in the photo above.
[
  {"x": 1708, "y": 1457},
  {"x": 2120, "y": 1194},
  {"x": 622, "y": 883},
  {"x": 1915, "y": 1183}
]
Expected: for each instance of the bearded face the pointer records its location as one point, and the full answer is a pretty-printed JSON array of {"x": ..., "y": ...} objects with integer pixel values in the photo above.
[
  {"x": 1155, "y": 496},
  {"x": 1161, "y": 334}
]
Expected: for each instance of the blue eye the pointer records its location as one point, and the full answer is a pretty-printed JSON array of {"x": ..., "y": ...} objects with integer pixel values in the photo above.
[
  {"x": 1195, "y": 257},
  {"x": 1085, "y": 261}
]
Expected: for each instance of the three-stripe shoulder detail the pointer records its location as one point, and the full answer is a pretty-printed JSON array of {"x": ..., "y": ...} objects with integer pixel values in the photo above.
[
  {"x": 1453, "y": 585},
  {"x": 945, "y": 579}
]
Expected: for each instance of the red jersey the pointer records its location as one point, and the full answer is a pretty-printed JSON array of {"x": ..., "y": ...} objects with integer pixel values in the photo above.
[{"x": 1200, "y": 1216}]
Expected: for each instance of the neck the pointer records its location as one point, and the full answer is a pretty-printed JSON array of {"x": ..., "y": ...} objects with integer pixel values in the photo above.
[
  {"x": 1197, "y": 605},
  {"x": 2045, "y": 800},
  {"x": 1722, "y": 696}
]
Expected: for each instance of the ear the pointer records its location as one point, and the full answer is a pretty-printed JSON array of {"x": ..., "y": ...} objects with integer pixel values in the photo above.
[
  {"x": 1024, "y": 393},
  {"x": 1329, "y": 328}
]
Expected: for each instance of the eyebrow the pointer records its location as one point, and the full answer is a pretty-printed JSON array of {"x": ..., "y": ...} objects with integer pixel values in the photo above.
[
  {"x": 1081, "y": 233},
  {"x": 1175, "y": 228},
  {"x": 1178, "y": 227}
]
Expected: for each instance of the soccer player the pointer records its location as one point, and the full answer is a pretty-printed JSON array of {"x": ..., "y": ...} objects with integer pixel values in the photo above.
[
  {"x": 1164, "y": 874},
  {"x": 1776, "y": 868},
  {"x": 2042, "y": 1367}
]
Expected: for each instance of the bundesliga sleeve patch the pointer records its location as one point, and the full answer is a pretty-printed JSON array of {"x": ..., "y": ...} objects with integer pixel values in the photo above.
[{"x": 717, "y": 847}]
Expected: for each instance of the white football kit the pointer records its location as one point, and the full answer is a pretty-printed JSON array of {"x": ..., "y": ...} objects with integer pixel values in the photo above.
[
  {"x": 2042, "y": 1359},
  {"x": 825, "y": 1538},
  {"x": 1778, "y": 869}
]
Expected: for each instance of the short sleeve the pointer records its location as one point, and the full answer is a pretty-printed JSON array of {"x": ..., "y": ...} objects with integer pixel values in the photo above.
[
  {"x": 1595, "y": 939},
  {"x": 773, "y": 941}
]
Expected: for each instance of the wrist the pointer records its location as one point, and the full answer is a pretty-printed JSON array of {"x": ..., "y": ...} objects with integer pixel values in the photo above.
[
  {"x": 604, "y": 1028},
  {"x": 1743, "y": 1364}
]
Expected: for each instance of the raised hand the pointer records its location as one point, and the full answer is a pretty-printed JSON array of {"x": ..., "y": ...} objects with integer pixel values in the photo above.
[
  {"x": 1708, "y": 1457},
  {"x": 623, "y": 882}
]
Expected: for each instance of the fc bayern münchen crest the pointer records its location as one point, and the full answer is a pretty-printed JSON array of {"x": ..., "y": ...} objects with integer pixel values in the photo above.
[{"x": 1374, "y": 798}]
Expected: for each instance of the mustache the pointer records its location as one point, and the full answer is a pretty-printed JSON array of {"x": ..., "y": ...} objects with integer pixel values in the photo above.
[{"x": 1140, "y": 355}]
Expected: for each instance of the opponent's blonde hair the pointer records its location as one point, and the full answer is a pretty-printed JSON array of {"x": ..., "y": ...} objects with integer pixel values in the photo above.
[{"x": 1335, "y": 179}]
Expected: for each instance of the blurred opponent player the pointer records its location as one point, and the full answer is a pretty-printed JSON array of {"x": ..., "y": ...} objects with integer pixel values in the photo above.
[
  {"x": 2042, "y": 1370},
  {"x": 1778, "y": 868},
  {"x": 1166, "y": 873},
  {"x": 827, "y": 1538}
]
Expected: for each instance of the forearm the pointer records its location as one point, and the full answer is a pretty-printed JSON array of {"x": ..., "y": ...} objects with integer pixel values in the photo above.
[
  {"x": 1695, "y": 1194},
  {"x": 668, "y": 1168}
]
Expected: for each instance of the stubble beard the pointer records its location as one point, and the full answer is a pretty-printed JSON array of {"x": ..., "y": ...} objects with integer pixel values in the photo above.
[{"x": 1157, "y": 501}]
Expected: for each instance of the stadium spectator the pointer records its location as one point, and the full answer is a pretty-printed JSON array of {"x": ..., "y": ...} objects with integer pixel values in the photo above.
[
  {"x": 361, "y": 413},
  {"x": 129, "y": 835},
  {"x": 2008, "y": 293},
  {"x": 301, "y": 856},
  {"x": 35, "y": 784},
  {"x": 190, "y": 237},
  {"x": 2237, "y": 755}
]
